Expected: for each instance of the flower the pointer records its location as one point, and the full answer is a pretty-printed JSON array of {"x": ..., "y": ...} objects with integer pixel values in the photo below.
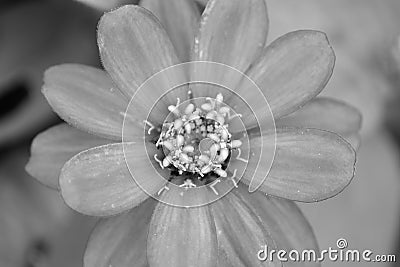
[{"x": 309, "y": 165}]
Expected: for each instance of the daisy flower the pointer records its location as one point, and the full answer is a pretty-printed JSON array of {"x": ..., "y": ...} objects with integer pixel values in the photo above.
[{"x": 196, "y": 136}]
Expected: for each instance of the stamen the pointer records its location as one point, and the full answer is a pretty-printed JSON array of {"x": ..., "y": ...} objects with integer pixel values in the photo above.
[
  {"x": 188, "y": 184},
  {"x": 184, "y": 158},
  {"x": 224, "y": 135},
  {"x": 236, "y": 143},
  {"x": 232, "y": 178},
  {"x": 197, "y": 142},
  {"x": 188, "y": 128},
  {"x": 162, "y": 189},
  {"x": 214, "y": 184},
  {"x": 207, "y": 106},
  {"x": 221, "y": 172},
  {"x": 211, "y": 115},
  {"x": 159, "y": 161},
  {"x": 189, "y": 109},
  {"x": 224, "y": 110},
  {"x": 220, "y": 119},
  {"x": 159, "y": 141},
  {"x": 152, "y": 127},
  {"x": 214, "y": 137},
  {"x": 212, "y": 101},
  {"x": 168, "y": 145},
  {"x": 204, "y": 158},
  {"x": 213, "y": 151},
  {"x": 178, "y": 123},
  {"x": 223, "y": 155},
  {"x": 193, "y": 117},
  {"x": 174, "y": 109},
  {"x": 219, "y": 98},
  {"x": 179, "y": 140},
  {"x": 239, "y": 158},
  {"x": 188, "y": 149},
  {"x": 205, "y": 169},
  {"x": 167, "y": 161}
]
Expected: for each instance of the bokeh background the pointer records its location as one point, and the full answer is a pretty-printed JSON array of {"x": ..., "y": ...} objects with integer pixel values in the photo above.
[{"x": 37, "y": 229}]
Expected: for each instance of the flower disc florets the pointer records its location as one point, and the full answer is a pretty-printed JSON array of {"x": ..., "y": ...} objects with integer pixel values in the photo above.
[{"x": 197, "y": 142}]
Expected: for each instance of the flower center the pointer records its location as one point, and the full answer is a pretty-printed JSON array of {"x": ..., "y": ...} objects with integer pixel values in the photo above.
[{"x": 197, "y": 142}]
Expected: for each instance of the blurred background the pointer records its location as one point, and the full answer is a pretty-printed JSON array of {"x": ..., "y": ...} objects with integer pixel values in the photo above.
[{"x": 37, "y": 229}]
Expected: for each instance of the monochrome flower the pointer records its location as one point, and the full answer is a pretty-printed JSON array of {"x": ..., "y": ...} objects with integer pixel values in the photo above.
[{"x": 309, "y": 165}]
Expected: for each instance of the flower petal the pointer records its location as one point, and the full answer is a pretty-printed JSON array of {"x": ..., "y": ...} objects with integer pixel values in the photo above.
[
  {"x": 286, "y": 223},
  {"x": 86, "y": 98},
  {"x": 104, "y": 5},
  {"x": 232, "y": 32},
  {"x": 51, "y": 149},
  {"x": 181, "y": 237},
  {"x": 293, "y": 70},
  {"x": 98, "y": 182},
  {"x": 180, "y": 19},
  {"x": 121, "y": 240},
  {"x": 326, "y": 114},
  {"x": 134, "y": 46},
  {"x": 309, "y": 164},
  {"x": 241, "y": 232}
]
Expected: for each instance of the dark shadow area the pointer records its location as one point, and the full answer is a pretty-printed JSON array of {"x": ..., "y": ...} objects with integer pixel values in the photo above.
[{"x": 12, "y": 97}]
